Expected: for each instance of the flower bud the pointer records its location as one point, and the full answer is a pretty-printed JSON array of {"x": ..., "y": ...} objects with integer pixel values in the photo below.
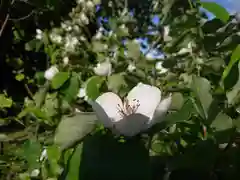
[
  {"x": 103, "y": 69},
  {"x": 51, "y": 72}
]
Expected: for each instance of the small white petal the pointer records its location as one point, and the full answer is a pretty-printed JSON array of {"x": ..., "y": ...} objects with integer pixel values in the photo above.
[
  {"x": 90, "y": 4},
  {"x": 81, "y": 93},
  {"x": 103, "y": 69},
  {"x": 51, "y": 72},
  {"x": 148, "y": 96},
  {"x": 161, "y": 110},
  {"x": 35, "y": 173},
  {"x": 131, "y": 67},
  {"x": 160, "y": 68},
  {"x": 65, "y": 61},
  {"x": 131, "y": 125},
  {"x": 43, "y": 155},
  {"x": 107, "y": 107}
]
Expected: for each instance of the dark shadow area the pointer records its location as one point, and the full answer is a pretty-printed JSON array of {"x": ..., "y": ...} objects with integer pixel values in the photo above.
[{"x": 103, "y": 157}]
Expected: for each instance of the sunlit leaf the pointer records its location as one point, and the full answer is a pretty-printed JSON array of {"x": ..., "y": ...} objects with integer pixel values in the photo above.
[
  {"x": 31, "y": 151},
  {"x": 73, "y": 129},
  {"x": 92, "y": 86},
  {"x": 201, "y": 88},
  {"x": 70, "y": 90},
  {"x": 234, "y": 59},
  {"x": 5, "y": 102},
  {"x": 115, "y": 82},
  {"x": 59, "y": 79},
  {"x": 222, "y": 122},
  {"x": 219, "y": 11}
]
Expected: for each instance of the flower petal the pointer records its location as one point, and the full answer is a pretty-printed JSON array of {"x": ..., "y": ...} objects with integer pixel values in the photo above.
[
  {"x": 131, "y": 125},
  {"x": 107, "y": 108},
  {"x": 161, "y": 110},
  {"x": 148, "y": 97},
  {"x": 101, "y": 114}
]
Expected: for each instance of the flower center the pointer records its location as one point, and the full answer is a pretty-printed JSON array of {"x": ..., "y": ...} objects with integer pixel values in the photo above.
[{"x": 128, "y": 108}]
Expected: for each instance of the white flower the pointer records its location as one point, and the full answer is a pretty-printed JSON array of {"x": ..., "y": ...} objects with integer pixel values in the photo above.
[
  {"x": 166, "y": 36},
  {"x": 35, "y": 173},
  {"x": 39, "y": 34},
  {"x": 142, "y": 108},
  {"x": 43, "y": 155},
  {"x": 80, "y": 1},
  {"x": 83, "y": 18},
  {"x": 103, "y": 69},
  {"x": 131, "y": 67},
  {"x": 82, "y": 94},
  {"x": 98, "y": 35},
  {"x": 51, "y": 72},
  {"x": 160, "y": 68},
  {"x": 90, "y": 4},
  {"x": 65, "y": 61},
  {"x": 70, "y": 43},
  {"x": 55, "y": 38},
  {"x": 66, "y": 27},
  {"x": 188, "y": 49}
]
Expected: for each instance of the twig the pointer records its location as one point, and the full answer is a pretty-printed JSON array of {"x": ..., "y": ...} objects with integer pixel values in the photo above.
[{"x": 4, "y": 24}]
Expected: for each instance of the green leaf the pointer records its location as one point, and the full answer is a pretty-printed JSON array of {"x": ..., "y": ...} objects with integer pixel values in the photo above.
[
  {"x": 234, "y": 95},
  {"x": 73, "y": 164},
  {"x": 219, "y": 11},
  {"x": 133, "y": 50},
  {"x": 40, "y": 114},
  {"x": 71, "y": 89},
  {"x": 177, "y": 101},
  {"x": 33, "y": 45},
  {"x": 5, "y": 102},
  {"x": 98, "y": 46},
  {"x": 19, "y": 77},
  {"x": 180, "y": 116},
  {"x": 59, "y": 79},
  {"x": 92, "y": 86},
  {"x": 115, "y": 82},
  {"x": 31, "y": 151},
  {"x": 73, "y": 129},
  {"x": 53, "y": 154},
  {"x": 234, "y": 59},
  {"x": 201, "y": 88},
  {"x": 222, "y": 122}
]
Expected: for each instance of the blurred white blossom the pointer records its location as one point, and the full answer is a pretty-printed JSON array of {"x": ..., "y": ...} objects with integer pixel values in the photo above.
[
  {"x": 65, "y": 61},
  {"x": 80, "y": 1},
  {"x": 35, "y": 173},
  {"x": 51, "y": 72},
  {"x": 82, "y": 94},
  {"x": 66, "y": 27},
  {"x": 39, "y": 34},
  {"x": 70, "y": 43},
  {"x": 188, "y": 49},
  {"x": 103, "y": 69},
  {"x": 134, "y": 114},
  {"x": 83, "y": 18},
  {"x": 55, "y": 37},
  {"x": 131, "y": 67},
  {"x": 90, "y": 4},
  {"x": 166, "y": 36},
  {"x": 160, "y": 69}
]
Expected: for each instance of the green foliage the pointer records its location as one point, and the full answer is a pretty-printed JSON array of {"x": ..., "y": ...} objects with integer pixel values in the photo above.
[
  {"x": 199, "y": 134},
  {"x": 72, "y": 130},
  {"x": 220, "y": 12},
  {"x": 59, "y": 79}
]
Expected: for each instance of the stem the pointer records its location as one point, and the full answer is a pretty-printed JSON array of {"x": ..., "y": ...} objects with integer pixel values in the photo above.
[{"x": 41, "y": 103}]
